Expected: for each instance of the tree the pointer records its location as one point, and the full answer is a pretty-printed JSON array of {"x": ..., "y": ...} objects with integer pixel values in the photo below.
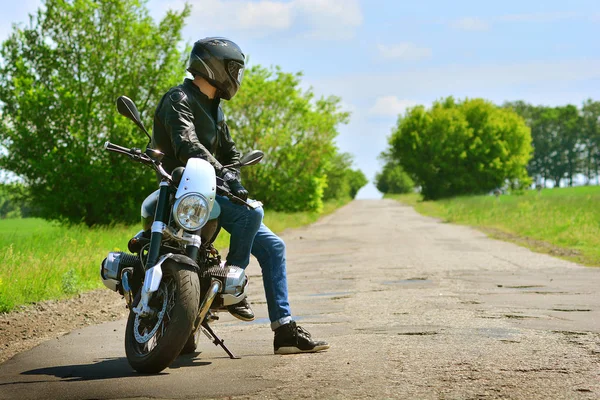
[
  {"x": 462, "y": 147},
  {"x": 356, "y": 181},
  {"x": 393, "y": 179},
  {"x": 13, "y": 201},
  {"x": 567, "y": 143},
  {"x": 342, "y": 180},
  {"x": 591, "y": 138},
  {"x": 337, "y": 184},
  {"x": 59, "y": 79},
  {"x": 296, "y": 132},
  {"x": 539, "y": 165},
  {"x": 556, "y": 138},
  {"x": 566, "y": 140}
]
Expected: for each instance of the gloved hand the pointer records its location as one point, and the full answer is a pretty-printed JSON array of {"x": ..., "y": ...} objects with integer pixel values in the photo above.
[{"x": 237, "y": 189}]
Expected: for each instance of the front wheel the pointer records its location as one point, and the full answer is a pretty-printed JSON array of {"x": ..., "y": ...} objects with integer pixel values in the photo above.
[{"x": 153, "y": 342}]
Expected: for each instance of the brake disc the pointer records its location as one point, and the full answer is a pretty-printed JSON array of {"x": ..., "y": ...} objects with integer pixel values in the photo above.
[{"x": 159, "y": 319}]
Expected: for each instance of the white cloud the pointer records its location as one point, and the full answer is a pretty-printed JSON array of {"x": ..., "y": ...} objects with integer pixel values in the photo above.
[
  {"x": 405, "y": 51},
  {"x": 329, "y": 19},
  {"x": 390, "y": 106},
  {"x": 257, "y": 18},
  {"x": 470, "y": 24},
  {"x": 346, "y": 12},
  {"x": 333, "y": 19},
  {"x": 270, "y": 15}
]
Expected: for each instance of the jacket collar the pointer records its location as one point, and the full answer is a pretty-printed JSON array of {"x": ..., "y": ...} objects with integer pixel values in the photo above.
[{"x": 188, "y": 83}]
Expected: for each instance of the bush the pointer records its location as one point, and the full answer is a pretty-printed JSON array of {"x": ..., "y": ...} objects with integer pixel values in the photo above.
[
  {"x": 13, "y": 201},
  {"x": 356, "y": 181},
  {"x": 393, "y": 179},
  {"x": 465, "y": 147},
  {"x": 296, "y": 132},
  {"x": 342, "y": 180}
]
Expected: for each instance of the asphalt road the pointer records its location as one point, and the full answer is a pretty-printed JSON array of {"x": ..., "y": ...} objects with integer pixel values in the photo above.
[{"x": 413, "y": 308}]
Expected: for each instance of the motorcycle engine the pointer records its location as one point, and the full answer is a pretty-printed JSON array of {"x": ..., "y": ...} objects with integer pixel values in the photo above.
[
  {"x": 233, "y": 284},
  {"x": 112, "y": 266}
]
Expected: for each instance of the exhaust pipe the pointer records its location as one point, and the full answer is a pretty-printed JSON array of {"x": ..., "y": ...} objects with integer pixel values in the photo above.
[
  {"x": 211, "y": 295},
  {"x": 125, "y": 275}
]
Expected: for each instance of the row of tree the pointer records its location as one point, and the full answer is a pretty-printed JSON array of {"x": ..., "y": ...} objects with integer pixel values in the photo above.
[
  {"x": 60, "y": 76},
  {"x": 566, "y": 141}
]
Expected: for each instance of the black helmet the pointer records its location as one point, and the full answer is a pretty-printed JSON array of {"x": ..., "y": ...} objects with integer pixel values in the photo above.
[{"x": 220, "y": 62}]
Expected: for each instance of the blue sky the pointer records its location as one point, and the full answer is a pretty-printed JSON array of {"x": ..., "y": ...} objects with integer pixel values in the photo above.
[{"x": 383, "y": 56}]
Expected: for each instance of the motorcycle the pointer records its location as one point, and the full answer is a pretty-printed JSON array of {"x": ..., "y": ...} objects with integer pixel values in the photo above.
[{"x": 173, "y": 279}]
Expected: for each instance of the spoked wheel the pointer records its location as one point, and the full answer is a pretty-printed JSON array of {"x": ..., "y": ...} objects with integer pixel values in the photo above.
[{"x": 153, "y": 342}]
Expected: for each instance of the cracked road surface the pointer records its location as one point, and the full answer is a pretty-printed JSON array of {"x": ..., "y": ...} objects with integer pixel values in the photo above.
[{"x": 412, "y": 307}]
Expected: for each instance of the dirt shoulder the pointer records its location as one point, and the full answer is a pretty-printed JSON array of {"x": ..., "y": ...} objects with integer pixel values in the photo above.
[
  {"x": 31, "y": 325},
  {"x": 539, "y": 246}
]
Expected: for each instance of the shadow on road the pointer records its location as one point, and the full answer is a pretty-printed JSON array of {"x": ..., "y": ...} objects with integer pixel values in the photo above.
[{"x": 108, "y": 368}]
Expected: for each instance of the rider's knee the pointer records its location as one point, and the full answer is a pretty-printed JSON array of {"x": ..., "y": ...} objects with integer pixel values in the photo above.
[
  {"x": 279, "y": 245},
  {"x": 255, "y": 217}
]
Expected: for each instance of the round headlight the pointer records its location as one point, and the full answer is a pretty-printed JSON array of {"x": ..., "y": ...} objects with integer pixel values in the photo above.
[{"x": 191, "y": 211}]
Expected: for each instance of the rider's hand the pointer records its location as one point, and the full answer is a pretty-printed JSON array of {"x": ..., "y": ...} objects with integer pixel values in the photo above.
[{"x": 237, "y": 189}]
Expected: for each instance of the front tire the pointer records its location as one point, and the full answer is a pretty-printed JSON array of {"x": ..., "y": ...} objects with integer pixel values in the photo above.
[{"x": 153, "y": 343}]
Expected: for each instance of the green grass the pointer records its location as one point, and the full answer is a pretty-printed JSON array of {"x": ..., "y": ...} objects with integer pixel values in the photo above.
[
  {"x": 564, "y": 222},
  {"x": 40, "y": 260}
]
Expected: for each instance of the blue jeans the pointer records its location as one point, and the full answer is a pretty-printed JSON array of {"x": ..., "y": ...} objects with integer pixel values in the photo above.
[{"x": 250, "y": 235}]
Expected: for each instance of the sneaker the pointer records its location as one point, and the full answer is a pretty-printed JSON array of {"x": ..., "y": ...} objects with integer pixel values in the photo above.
[
  {"x": 292, "y": 339},
  {"x": 241, "y": 310}
]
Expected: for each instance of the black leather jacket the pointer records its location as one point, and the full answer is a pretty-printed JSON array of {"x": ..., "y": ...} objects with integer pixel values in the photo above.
[{"x": 188, "y": 124}]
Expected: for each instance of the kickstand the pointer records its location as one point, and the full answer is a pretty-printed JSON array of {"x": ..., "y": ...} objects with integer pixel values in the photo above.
[{"x": 216, "y": 340}]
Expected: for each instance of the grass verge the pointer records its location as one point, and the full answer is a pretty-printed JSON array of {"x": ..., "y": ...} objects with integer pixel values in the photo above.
[
  {"x": 40, "y": 260},
  {"x": 562, "y": 222}
]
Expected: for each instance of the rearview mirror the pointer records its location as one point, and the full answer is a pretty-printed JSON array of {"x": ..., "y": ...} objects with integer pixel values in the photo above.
[
  {"x": 251, "y": 158},
  {"x": 127, "y": 108}
]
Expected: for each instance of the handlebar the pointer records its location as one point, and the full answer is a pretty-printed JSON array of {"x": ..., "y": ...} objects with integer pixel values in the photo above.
[
  {"x": 137, "y": 155},
  {"x": 116, "y": 148},
  {"x": 222, "y": 190},
  {"x": 134, "y": 153}
]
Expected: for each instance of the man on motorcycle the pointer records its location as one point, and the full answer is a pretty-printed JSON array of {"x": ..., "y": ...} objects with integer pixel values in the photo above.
[{"x": 189, "y": 122}]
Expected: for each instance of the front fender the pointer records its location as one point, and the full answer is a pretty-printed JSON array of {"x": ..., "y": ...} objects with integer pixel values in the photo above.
[
  {"x": 153, "y": 278},
  {"x": 183, "y": 259}
]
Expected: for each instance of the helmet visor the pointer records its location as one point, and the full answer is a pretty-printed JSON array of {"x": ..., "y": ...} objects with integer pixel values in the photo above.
[{"x": 236, "y": 71}]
